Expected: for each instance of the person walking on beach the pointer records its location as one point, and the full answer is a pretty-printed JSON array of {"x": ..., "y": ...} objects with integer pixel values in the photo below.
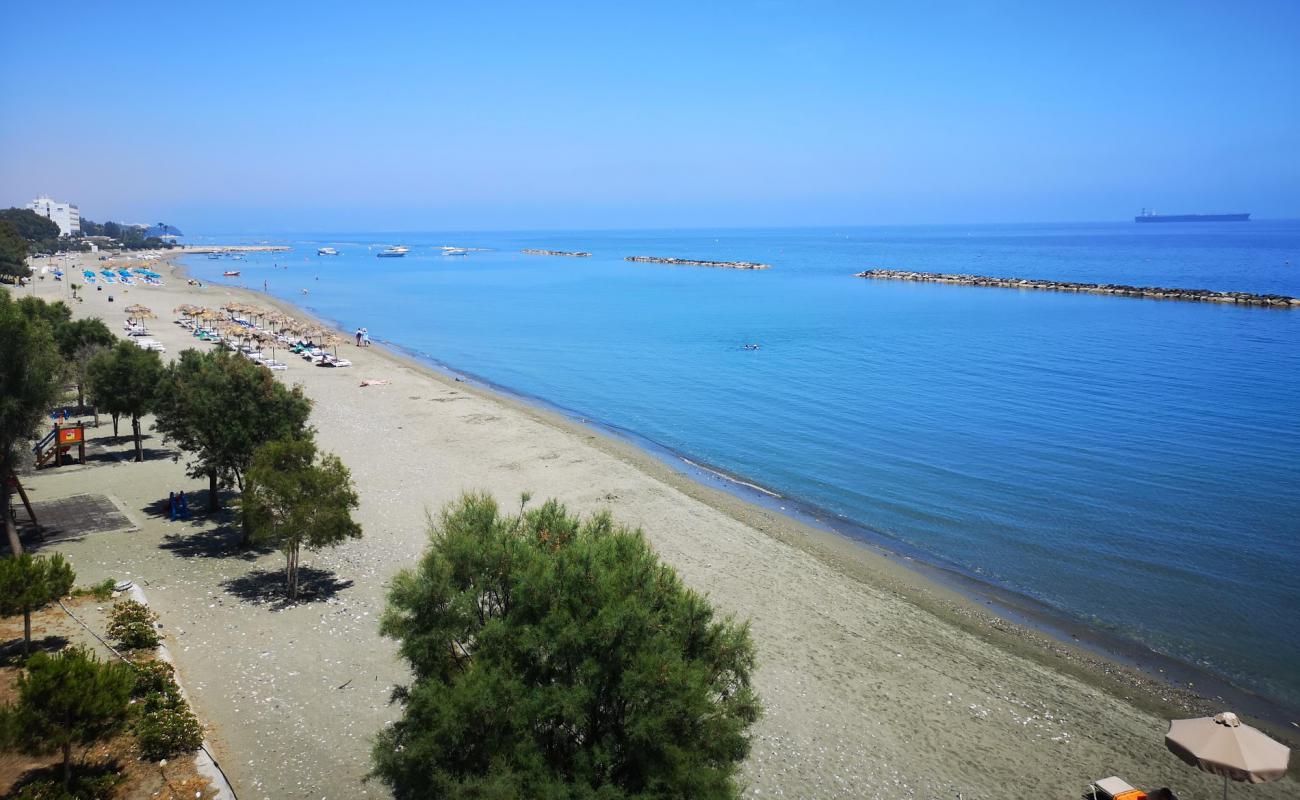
[
  {"x": 358, "y": 337},
  {"x": 365, "y": 336}
]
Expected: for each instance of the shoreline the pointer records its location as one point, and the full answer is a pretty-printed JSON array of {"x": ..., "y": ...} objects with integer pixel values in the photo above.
[
  {"x": 877, "y": 680},
  {"x": 1021, "y": 625}
]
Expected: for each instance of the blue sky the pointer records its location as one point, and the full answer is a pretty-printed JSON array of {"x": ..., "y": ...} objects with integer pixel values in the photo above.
[{"x": 383, "y": 116}]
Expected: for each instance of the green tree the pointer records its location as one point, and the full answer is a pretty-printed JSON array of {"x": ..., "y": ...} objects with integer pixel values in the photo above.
[
  {"x": 219, "y": 408},
  {"x": 30, "y": 225},
  {"x": 55, "y": 314},
  {"x": 29, "y": 583},
  {"x": 124, "y": 381},
  {"x": 294, "y": 499},
  {"x": 556, "y": 657},
  {"x": 13, "y": 253},
  {"x": 67, "y": 700},
  {"x": 79, "y": 341},
  {"x": 29, "y": 385}
]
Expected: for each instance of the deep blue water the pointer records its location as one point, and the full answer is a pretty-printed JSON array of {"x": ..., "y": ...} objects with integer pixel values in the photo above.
[{"x": 1131, "y": 464}]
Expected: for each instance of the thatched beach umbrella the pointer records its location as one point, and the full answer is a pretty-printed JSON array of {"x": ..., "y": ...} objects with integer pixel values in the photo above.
[
  {"x": 139, "y": 313},
  {"x": 1223, "y": 745}
]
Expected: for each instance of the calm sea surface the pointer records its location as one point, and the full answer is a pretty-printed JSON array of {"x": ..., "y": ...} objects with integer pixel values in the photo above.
[{"x": 1131, "y": 464}]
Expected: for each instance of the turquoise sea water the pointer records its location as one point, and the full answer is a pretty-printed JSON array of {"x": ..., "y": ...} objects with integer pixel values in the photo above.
[{"x": 1133, "y": 465}]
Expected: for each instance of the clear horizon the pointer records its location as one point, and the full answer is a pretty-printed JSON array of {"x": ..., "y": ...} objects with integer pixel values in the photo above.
[{"x": 258, "y": 119}]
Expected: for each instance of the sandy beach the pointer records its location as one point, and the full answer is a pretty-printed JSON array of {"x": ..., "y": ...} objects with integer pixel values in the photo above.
[{"x": 875, "y": 681}]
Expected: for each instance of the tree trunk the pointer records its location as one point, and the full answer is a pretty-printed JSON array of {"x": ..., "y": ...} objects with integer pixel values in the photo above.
[
  {"x": 67, "y": 766},
  {"x": 292, "y": 570},
  {"x": 139, "y": 447},
  {"x": 114, "y": 425},
  {"x": 214, "y": 501},
  {"x": 81, "y": 397},
  {"x": 11, "y": 531},
  {"x": 27, "y": 631},
  {"x": 246, "y": 529}
]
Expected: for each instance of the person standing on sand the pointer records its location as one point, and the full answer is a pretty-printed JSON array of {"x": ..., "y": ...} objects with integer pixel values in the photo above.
[
  {"x": 365, "y": 336},
  {"x": 358, "y": 337}
]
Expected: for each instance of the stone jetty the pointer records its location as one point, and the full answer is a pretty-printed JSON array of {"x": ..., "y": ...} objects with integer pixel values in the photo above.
[
  {"x": 691, "y": 262},
  {"x": 570, "y": 253},
  {"x": 1118, "y": 289}
]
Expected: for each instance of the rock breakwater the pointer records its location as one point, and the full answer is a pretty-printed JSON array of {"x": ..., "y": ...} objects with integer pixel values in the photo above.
[
  {"x": 692, "y": 262},
  {"x": 570, "y": 253},
  {"x": 1118, "y": 289}
]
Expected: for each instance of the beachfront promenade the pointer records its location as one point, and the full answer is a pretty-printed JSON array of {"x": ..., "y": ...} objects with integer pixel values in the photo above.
[{"x": 874, "y": 684}]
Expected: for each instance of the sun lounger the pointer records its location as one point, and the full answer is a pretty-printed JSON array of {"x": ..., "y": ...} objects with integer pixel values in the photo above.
[{"x": 1115, "y": 788}]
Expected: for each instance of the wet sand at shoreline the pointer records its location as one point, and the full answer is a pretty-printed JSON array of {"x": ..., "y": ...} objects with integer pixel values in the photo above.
[{"x": 875, "y": 682}]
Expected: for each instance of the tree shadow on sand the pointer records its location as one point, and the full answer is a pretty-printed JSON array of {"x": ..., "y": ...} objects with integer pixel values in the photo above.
[
  {"x": 11, "y": 653},
  {"x": 98, "y": 456},
  {"x": 203, "y": 542},
  {"x": 266, "y": 586}
]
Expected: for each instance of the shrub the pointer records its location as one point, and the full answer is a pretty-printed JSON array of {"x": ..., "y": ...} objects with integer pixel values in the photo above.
[
  {"x": 100, "y": 591},
  {"x": 132, "y": 624},
  {"x": 166, "y": 726},
  {"x": 43, "y": 787},
  {"x": 168, "y": 731},
  {"x": 155, "y": 677}
]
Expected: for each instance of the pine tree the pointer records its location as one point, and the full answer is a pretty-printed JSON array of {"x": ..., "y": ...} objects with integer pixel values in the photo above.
[
  {"x": 556, "y": 657},
  {"x": 29, "y": 583},
  {"x": 67, "y": 700}
]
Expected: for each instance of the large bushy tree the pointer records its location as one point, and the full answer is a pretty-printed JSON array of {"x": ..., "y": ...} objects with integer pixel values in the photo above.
[
  {"x": 556, "y": 657},
  {"x": 30, "y": 225},
  {"x": 294, "y": 499},
  {"x": 29, "y": 583},
  {"x": 40, "y": 234},
  {"x": 64, "y": 701},
  {"x": 29, "y": 385},
  {"x": 219, "y": 408},
  {"x": 124, "y": 382},
  {"x": 79, "y": 342},
  {"x": 13, "y": 253}
]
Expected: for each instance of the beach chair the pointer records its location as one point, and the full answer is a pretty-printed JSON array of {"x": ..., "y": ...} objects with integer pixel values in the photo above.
[{"x": 1116, "y": 788}]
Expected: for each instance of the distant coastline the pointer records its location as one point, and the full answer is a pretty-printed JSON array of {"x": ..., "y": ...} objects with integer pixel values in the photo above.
[{"x": 1117, "y": 289}]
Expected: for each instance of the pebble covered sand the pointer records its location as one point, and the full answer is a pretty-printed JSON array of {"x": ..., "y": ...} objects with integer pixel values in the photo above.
[{"x": 866, "y": 693}]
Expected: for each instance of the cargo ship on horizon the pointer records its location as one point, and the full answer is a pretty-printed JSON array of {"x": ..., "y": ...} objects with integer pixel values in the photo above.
[{"x": 1151, "y": 216}]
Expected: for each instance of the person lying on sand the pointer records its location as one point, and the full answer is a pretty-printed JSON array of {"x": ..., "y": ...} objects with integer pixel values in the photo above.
[{"x": 375, "y": 382}]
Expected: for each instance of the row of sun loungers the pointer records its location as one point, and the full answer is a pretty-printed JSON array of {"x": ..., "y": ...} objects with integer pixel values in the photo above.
[{"x": 245, "y": 347}]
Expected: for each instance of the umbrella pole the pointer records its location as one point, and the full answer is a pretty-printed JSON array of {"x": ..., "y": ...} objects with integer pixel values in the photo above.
[{"x": 1225, "y": 787}]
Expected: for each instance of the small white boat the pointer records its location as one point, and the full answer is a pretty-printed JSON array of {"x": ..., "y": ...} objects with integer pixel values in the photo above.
[
  {"x": 393, "y": 252},
  {"x": 326, "y": 251},
  {"x": 455, "y": 251}
]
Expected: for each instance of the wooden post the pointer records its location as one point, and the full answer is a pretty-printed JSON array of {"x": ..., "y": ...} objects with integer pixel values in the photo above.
[
  {"x": 27, "y": 504},
  {"x": 81, "y": 446},
  {"x": 58, "y": 446}
]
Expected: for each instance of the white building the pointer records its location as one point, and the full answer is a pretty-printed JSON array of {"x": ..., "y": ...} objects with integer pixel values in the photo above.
[{"x": 65, "y": 215}]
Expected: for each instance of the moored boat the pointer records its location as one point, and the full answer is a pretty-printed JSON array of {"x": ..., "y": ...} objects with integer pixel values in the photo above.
[
  {"x": 326, "y": 251},
  {"x": 231, "y": 273},
  {"x": 393, "y": 252}
]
